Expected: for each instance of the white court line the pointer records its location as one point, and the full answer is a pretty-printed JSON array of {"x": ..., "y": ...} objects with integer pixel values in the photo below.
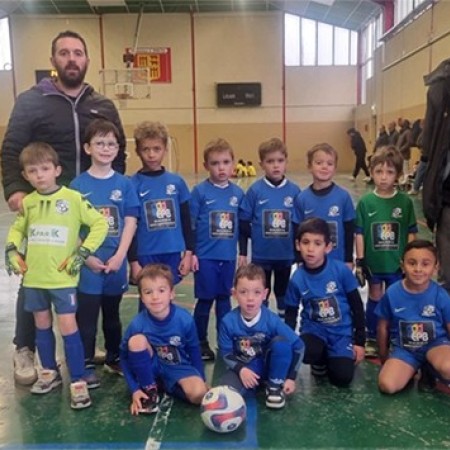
[{"x": 156, "y": 434}]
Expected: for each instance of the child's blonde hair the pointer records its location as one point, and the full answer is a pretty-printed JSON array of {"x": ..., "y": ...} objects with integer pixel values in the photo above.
[
  {"x": 324, "y": 147},
  {"x": 388, "y": 155},
  {"x": 153, "y": 271},
  {"x": 150, "y": 130},
  {"x": 251, "y": 272},
  {"x": 270, "y": 146},
  {"x": 37, "y": 153},
  {"x": 217, "y": 145}
]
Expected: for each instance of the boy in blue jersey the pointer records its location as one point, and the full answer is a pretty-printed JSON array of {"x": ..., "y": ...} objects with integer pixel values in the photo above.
[
  {"x": 160, "y": 346},
  {"x": 164, "y": 233},
  {"x": 50, "y": 224},
  {"x": 103, "y": 279},
  {"x": 414, "y": 316},
  {"x": 332, "y": 317},
  {"x": 257, "y": 346},
  {"x": 214, "y": 212},
  {"x": 325, "y": 199},
  {"x": 268, "y": 216},
  {"x": 385, "y": 223}
]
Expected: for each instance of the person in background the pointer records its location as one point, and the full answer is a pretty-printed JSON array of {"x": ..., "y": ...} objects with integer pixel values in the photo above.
[
  {"x": 56, "y": 111},
  {"x": 359, "y": 148},
  {"x": 393, "y": 133},
  {"x": 404, "y": 144},
  {"x": 251, "y": 170}
]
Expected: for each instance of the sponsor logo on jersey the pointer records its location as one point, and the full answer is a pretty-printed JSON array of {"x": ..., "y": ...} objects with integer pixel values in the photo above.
[
  {"x": 261, "y": 202},
  {"x": 371, "y": 213},
  {"x": 144, "y": 193},
  {"x": 209, "y": 202}
]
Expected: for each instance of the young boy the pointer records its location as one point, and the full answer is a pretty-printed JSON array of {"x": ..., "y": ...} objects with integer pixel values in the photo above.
[
  {"x": 256, "y": 344},
  {"x": 414, "y": 315},
  {"x": 214, "y": 213},
  {"x": 385, "y": 223},
  {"x": 251, "y": 170},
  {"x": 103, "y": 280},
  {"x": 164, "y": 233},
  {"x": 268, "y": 215},
  {"x": 324, "y": 199},
  {"x": 332, "y": 317},
  {"x": 50, "y": 222},
  {"x": 161, "y": 346}
]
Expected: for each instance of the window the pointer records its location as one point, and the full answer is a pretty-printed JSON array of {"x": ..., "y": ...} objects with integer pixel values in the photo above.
[
  {"x": 404, "y": 7},
  {"x": 310, "y": 43},
  {"x": 5, "y": 47}
]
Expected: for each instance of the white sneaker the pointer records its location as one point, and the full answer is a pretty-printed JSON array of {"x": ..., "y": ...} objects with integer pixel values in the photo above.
[
  {"x": 352, "y": 178},
  {"x": 367, "y": 179},
  {"x": 79, "y": 395},
  {"x": 48, "y": 380},
  {"x": 413, "y": 192},
  {"x": 25, "y": 372}
]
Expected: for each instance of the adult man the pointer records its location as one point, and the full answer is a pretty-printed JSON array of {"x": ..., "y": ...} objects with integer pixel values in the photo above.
[
  {"x": 55, "y": 111},
  {"x": 393, "y": 133},
  {"x": 359, "y": 148}
]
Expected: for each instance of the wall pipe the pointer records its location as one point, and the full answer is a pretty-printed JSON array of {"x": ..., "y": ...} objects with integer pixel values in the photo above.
[
  {"x": 283, "y": 81},
  {"x": 102, "y": 42}
]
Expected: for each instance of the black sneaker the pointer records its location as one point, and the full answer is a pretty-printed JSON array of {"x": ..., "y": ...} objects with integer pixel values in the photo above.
[
  {"x": 275, "y": 397},
  {"x": 319, "y": 370},
  {"x": 114, "y": 367},
  {"x": 150, "y": 405},
  {"x": 207, "y": 353}
]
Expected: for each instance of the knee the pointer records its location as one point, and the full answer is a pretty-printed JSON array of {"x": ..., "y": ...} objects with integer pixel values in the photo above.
[
  {"x": 195, "y": 392},
  {"x": 137, "y": 343},
  {"x": 444, "y": 369},
  {"x": 387, "y": 386}
]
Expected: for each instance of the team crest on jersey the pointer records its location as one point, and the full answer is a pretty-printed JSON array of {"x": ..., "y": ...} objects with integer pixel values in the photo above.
[
  {"x": 333, "y": 211},
  {"x": 175, "y": 340},
  {"x": 331, "y": 287},
  {"x": 233, "y": 201},
  {"x": 397, "y": 213},
  {"x": 116, "y": 195},
  {"x": 171, "y": 189},
  {"x": 62, "y": 206},
  {"x": 428, "y": 311},
  {"x": 288, "y": 201}
]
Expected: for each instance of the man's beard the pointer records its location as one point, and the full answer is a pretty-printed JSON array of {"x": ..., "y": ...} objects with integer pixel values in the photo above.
[{"x": 75, "y": 79}]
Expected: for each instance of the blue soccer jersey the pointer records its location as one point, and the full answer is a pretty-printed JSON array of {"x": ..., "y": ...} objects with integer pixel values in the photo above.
[
  {"x": 242, "y": 342},
  {"x": 159, "y": 227},
  {"x": 271, "y": 212},
  {"x": 335, "y": 207},
  {"x": 323, "y": 296},
  {"x": 114, "y": 197},
  {"x": 214, "y": 214},
  {"x": 416, "y": 319},
  {"x": 174, "y": 341}
]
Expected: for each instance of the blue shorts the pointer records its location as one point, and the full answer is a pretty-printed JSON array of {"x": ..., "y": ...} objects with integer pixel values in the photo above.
[
  {"x": 65, "y": 300},
  {"x": 418, "y": 357},
  {"x": 214, "y": 278},
  {"x": 111, "y": 284},
  {"x": 387, "y": 278},
  {"x": 337, "y": 346},
  {"x": 171, "y": 259}
]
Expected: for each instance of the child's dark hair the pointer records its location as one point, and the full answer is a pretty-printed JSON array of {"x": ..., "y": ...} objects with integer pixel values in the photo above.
[
  {"x": 153, "y": 271},
  {"x": 389, "y": 155},
  {"x": 250, "y": 271},
  {"x": 100, "y": 127},
  {"x": 314, "y": 225},
  {"x": 150, "y": 130},
  {"x": 38, "y": 153},
  {"x": 217, "y": 145},
  {"x": 421, "y": 244},
  {"x": 324, "y": 147},
  {"x": 270, "y": 146}
]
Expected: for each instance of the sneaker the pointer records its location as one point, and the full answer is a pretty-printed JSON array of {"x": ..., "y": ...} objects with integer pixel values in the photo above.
[
  {"x": 367, "y": 179},
  {"x": 25, "y": 372},
  {"x": 351, "y": 178},
  {"x": 47, "y": 380},
  {"x": 114, "y": 367},
  {"x": 319, "y": 370},
  {"x": 79, "y": 395},
  {"x": 92, "y": 380},
  {"x": 413, "y": 192},
  {"x": 99, "y": 357},
  {"x": 207, "y": 353},
  {"x": 150, "y": 405},
  {"x": 275, "y": 397},
  {"x": 371, "y": 348}
]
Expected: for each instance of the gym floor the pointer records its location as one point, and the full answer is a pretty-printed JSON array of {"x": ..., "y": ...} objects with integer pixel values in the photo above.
[{"x": 317, "y": 416}]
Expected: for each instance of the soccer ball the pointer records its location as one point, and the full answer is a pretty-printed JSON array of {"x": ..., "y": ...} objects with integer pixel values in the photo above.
[{"x": 223, "y": 409}]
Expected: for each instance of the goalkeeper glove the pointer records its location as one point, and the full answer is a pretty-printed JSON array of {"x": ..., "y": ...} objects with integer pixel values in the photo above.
[
  {"x": 72, "y": 265},
  {"x": 14, "y": 261},
  {"x": 362, "y": 272}
]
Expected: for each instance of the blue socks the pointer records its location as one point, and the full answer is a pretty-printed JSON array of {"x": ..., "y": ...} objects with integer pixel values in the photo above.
[
  {"x": 371, "y": 318},
  {"x": 141, "y": 365},
  {"x": 74, "y": 351},
  {"x": 46, "y": 346}
]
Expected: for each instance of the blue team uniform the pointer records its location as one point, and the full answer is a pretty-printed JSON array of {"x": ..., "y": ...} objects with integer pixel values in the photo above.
[
  {"x": 418, "y": 321},
  {"x": 159, "y": 233},
  {"x": 326, "y": 311},
  {"x": 175, "y": 345},
  {"x": 116, "y": 199},
  {"x": 335, "y": 207},
  {"x": 249, "y": 344}
]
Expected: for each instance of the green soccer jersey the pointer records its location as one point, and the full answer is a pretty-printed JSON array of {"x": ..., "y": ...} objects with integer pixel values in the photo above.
[
  {"x": 50, "y": 224},
  {"x": 385, "y": 224}
]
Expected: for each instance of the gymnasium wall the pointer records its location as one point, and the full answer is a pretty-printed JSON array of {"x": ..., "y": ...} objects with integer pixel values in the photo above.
[{"x": 228, "y": 48}]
